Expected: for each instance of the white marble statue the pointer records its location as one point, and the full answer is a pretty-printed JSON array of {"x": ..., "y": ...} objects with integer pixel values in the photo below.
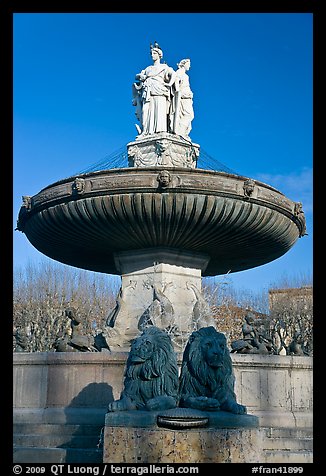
[
  {"x": 152, "y": 95},
  {"x": 182, "y": 104}
]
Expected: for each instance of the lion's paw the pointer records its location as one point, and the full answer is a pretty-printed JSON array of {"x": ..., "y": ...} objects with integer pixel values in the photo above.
[
  {"x": 122, "y": 405},
  {"x": 160, "y": 403},
  {"x": 201, "y": 403},
  {"x": 241, "y": 409},
  {"x": 234, "y": 407}
]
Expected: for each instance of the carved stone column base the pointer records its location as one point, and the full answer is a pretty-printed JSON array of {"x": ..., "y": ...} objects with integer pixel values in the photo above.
[{"x": 160, "y": 283}]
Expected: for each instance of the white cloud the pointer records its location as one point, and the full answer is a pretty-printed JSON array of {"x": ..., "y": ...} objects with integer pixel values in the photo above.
[{"x": 297, "y": 186}]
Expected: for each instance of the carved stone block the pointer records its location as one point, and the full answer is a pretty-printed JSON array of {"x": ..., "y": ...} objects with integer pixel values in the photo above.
[{"x": 162, "y": 149}]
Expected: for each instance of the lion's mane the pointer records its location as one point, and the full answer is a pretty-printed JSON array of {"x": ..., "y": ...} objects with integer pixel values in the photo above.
[
  {"x": 156, "y": 376},
  {"x": 198, "y": 378}
]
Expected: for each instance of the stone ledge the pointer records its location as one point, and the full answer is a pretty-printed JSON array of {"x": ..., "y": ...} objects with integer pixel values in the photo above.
[
  {"x": 238, "y": 360},
  {"x": 275, "y": 361},
  {"x": 39, "y": 455},
  {"x": 60, "y": 416},
  {"x": 66, "y": 358},
  {"x": 146, "y": 419}
]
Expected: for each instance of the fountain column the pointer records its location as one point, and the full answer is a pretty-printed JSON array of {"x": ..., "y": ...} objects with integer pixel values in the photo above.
[{"x": 160, "y": 286}]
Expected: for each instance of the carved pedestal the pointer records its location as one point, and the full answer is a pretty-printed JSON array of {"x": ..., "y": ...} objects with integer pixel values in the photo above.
[
  {"x": 162, "y": 287},
  {"x": 162, "y": 149},
  {"x": 135, "y": 437}
]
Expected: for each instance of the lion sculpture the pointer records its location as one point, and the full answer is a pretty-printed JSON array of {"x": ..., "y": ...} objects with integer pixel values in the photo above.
[
  {"x": 151, "y": 375},
  {"x": 206, "y": 380}
]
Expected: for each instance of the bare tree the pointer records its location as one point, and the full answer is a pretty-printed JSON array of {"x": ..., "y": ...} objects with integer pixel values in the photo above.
[
  {"x": 42, "y": 293},
  {"x": 291, "y": 311},
  {"x": 287, "y": 308}
]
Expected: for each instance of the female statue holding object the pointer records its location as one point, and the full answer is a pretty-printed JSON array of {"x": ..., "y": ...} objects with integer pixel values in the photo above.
[{"x": 152, "y": 94}]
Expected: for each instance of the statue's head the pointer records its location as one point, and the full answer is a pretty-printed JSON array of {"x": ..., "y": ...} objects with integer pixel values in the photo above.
[
  {"x": 71, "y": 313},
  {"x": 164, "y": 178},
  {"x": 250, "y": 317},
  {"x": 152, "y": 367},
  {"x": 184, "y": 63},
  {"x": 78, "y": 185},
  {"x": 211, "y": 346},
  {"x": 156, "y": 49}
]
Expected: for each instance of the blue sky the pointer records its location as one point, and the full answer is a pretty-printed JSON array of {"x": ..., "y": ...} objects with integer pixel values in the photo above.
[{"x": 251, "y": 75}]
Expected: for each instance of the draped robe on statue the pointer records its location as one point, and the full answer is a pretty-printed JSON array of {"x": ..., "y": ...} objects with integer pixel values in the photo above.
[{"x": 155, "y": 96}]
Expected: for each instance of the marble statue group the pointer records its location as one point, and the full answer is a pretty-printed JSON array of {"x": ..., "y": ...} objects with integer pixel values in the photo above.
[{"x": 163, "y": 98}]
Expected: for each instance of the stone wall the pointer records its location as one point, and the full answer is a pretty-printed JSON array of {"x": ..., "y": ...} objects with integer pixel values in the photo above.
[
  {"x": 79, "y": 386},
  {"x": 276, "y": 388}
]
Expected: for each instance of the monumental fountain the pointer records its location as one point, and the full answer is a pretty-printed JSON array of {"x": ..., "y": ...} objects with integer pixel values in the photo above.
[{"x": 162, "y": 223}]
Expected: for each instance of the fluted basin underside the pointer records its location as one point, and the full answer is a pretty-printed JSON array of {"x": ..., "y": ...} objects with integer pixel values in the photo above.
[{"x": 84, "y": 221}]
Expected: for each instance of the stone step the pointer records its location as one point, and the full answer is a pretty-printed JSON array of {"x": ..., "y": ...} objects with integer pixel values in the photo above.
[
  {"x": 283, "y": 456},
  {"x": 284, "y": 419},
  {"x": 289, "y": 432},
  {"x": 54, "y": 441},
  {"x": 75, "y": 455},
  {"x": 64, "y": 416},
  {"x": 57, "y": 455},
  {"x": 281, "y": 443},
  {"x": 54, "y": 429}
]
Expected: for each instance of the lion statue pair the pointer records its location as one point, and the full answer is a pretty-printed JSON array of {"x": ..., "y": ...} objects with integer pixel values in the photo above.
[{"x": 152, "y": 379}]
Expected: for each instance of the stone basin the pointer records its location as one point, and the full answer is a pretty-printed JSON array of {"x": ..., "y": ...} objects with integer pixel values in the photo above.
[{"x": 88, "y": 220}]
